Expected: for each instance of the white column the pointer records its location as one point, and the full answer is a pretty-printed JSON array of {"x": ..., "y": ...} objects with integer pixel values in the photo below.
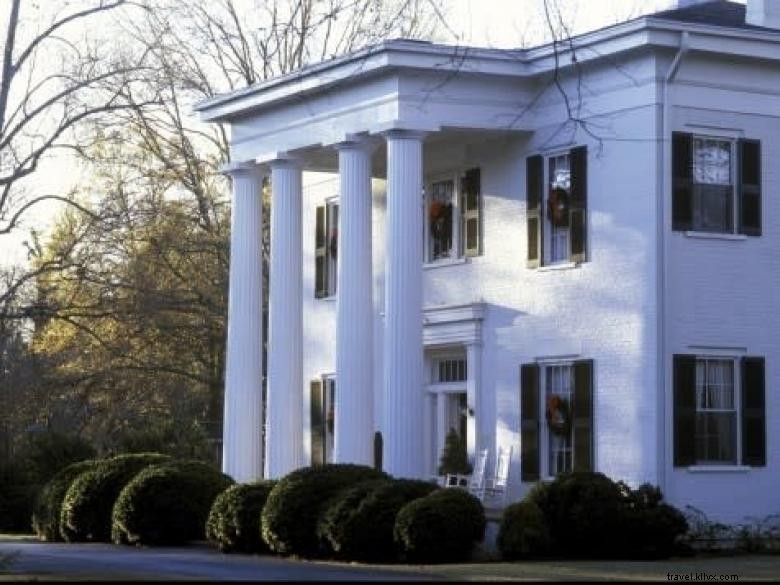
[
  {"x": 476, "y": 415},
  {"x": 284, "y": 432},
  {"x": 354, "y": 336},
  {"x": 242, "y": 448},
  {"x": 403, "y": 400}
]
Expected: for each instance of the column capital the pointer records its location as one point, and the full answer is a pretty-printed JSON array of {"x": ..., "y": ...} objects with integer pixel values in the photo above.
[
  {"x": 279, "y": 159},
  {"x": 404, "y": 134},
  {"x": 363, "y": 143},
  {"x": 243, "y": 169}
]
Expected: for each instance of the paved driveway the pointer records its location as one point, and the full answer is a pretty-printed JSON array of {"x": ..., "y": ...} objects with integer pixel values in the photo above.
[{"x": 38, "y": 560}]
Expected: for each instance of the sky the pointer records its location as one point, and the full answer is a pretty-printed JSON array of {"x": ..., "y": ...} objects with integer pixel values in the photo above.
[{"x": 487, "y": 23}]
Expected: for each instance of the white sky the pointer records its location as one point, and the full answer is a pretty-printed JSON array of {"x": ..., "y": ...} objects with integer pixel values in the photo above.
[{"x": 488, "y": 23}]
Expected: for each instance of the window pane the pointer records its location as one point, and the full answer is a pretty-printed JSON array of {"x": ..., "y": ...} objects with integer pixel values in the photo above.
[
  {"x": 440, "y": 219},
  {"x": 449, "y": 370},
  {"x": 558, "y": 382},
  {"x": 711, "y": 161},
  {"x": 716, "y": 417},
  {"x": 713, "y": 208}
]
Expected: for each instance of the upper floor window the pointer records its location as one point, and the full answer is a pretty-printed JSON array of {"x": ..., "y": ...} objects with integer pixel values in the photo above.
[
  {"x": 719, "y": 411},
  {"x": 717, "y": 184},
  {"x": 453, "y": 217},
  {"x": 326, "y": 249},
  {"x": 557, "y": 207}
]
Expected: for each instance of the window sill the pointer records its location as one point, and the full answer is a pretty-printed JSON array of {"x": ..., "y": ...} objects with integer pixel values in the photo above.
[
  {"x": 719, "y": 468},
  {"x": 558, "y": 266},
  {"x": 715, "y": 236},
  {"x": 445, "y": 262},
  {"x": 330, "y": 298}
]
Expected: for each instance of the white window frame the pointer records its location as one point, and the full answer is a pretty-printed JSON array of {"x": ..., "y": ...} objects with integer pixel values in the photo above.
[
  {"x": 545, "y": 435},
  {"x": 736, "y": 368},
  {"x": 734, "y": 171},
  {"x": 547, "y": 227},
  {"x": 456, "y": 218}
]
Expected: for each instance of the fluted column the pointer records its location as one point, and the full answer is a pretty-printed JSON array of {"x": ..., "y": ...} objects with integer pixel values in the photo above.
[
  {"x": 354, "y": 335},
  {"x": 284, "y": 433},
  {"x": 242, "y": 448},
  {"x": 403, "y": 400}
]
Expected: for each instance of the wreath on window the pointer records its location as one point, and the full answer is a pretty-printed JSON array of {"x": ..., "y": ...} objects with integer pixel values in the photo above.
[
  {"x": 334, "y": 242},
  {"x": 558, "y": 415},
  {"x": 558, "y": 207},
  {"x": 440, "y": 218}
]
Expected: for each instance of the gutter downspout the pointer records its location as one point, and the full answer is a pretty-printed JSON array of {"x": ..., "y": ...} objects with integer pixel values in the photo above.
[{"x": 664, "y": 202}]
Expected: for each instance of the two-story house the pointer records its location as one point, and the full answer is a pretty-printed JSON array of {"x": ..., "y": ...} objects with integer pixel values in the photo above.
[{"x": 572, "y": 251}]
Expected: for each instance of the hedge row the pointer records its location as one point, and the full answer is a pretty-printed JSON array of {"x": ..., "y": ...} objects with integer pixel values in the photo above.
[
  {"x": 349, "y": 512},
  {"x": 587, "y": 515}
]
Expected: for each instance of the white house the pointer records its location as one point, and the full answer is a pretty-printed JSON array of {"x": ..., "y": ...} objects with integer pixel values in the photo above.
[{"x": 596, "y": 287}]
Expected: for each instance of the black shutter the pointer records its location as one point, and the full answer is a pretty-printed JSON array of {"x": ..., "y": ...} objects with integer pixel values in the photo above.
[
  {"x": 317, "y": 423},
  {"x": 578, "y": 208},
  {"x": 750, "y": 187},
  {"x": 529, "y": 422},
  {"x": 682, "y": 181},
  {"x": 471, "y": 206},
  {"x": 534, "y": 170},
  {"x": 684, "y": 410},
  {"x": 753, "y": 412},
  {"x": 582, "y": 415},
  {"x": 320, "y": 256}
]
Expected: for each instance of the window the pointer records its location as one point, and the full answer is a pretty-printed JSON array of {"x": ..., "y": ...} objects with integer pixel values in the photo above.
[
  {"x": 322, "y": 419},
  {"x": 716, "y": 412},
  {"x": 719, "y": 411},
  {"x": 716, "y": 184},
  {"x": 449, "y": 370},
  {"x": 556, "y": 211},
  {"x": 326, "y": 249},
  {"x": 556, "y": 419},
  {"x": 453, "y": 217},
  {"x": 559, "y": 384}
]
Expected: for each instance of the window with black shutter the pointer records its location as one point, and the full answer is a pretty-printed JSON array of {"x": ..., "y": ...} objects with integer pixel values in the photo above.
[
  {"x": 557, "y": 207},
  {"x": 716, "y": 184},
  {"x": 712, "y": 418},
  {"x": 453, "y": 216},
  {"x": 529, "y": 422}
]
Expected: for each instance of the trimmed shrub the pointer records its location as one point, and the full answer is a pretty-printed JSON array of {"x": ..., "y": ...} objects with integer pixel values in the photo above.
[
  {"x": 523, "y": 532},
  {"x": 167, "y": 504},
  {"x": 290, "y": 516},
  {"x": 651, "y": 528},
  {"x": 234, "y": 519},
  {"x": 87, "y": 505},
  {"x": 48, "y": 504},
  {"x": 454, "y": 458},
  {"x": 442, "y": 527},
  {"x": 358, "y": 524},
  {"x": 584, "y": 513}
]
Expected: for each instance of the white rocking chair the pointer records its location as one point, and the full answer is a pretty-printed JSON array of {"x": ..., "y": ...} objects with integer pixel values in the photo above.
[
  {"x": 475, "y": 482},
  {"x": 496, "y": 486}
]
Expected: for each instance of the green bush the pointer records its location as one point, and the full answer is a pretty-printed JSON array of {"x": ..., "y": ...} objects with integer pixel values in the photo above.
[
  {"x": 234, "y": 519},
  {"x": 290, "y": 516},
  {"x": 441, "y": 527},
  {"x": 523, "y": 532},
  {"x": 651, "y": 528},
  {"x": 87, "y": 505},
  {"x": 358, "y": 524},
  {"x": 48, "y": 504},
  {"x": 167, "y": 504},
  {"x": 454, "y": 458},
  {"x": 584, "y": 514}
]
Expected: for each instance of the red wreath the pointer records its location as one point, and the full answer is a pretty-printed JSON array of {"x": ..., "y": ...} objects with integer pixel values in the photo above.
[
  {"x": 558, "y": 207},
  {"x": 558, "y": 415},
  {"x": 440, "y": 216}
]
